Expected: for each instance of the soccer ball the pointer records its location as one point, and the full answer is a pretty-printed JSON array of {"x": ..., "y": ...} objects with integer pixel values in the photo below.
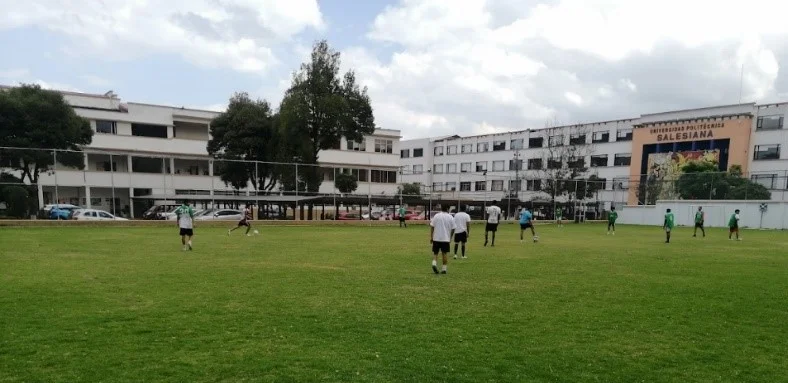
[
  {"x": 256, "y": 232},
  {"x": 536, "y": 238}
]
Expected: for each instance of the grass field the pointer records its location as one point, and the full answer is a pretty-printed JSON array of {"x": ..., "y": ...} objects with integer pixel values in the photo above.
[{"x": 361, "y": 304}]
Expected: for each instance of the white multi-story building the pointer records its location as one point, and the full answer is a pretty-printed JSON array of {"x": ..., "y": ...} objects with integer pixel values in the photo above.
[
  {"x": 514, "y": 164},
  {"x": 143, "y": 150}
]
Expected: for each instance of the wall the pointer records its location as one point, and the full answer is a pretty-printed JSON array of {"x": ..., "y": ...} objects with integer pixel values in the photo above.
[{"x": 717, "y": 213}]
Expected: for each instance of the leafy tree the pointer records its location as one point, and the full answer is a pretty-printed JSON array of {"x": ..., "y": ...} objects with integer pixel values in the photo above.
[
  {"x": 16, "y": 198},
  {"x": 648, "y": 190},
  {"x": 35, "y": 118},
  {"x": 346, "y": 183},
  {"x": 565, "y": 164},
  {"x": 245, "y": 131},
  {"x": 702, "y": 180},
  {"x": 321, "y": 107},
  {"x": 410, "y": 189}
]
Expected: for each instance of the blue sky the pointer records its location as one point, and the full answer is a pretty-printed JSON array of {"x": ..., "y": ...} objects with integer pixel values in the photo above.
[{"x": 432, "y": 66}]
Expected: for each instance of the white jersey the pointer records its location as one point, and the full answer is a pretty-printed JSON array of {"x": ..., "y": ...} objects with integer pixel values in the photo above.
[
  {"x": 493, "y": 214},
  {"x": 443, "y": 223},
  {"x": 461, "y": 221}
]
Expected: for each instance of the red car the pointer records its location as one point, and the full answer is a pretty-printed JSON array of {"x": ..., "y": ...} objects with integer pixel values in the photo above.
[
  {"x": 348, "y": 216},
  {"x": 410, "y": 215}
]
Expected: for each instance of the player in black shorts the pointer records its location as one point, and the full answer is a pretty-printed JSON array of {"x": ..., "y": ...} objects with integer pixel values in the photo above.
[{"x": 247, "y": 216}]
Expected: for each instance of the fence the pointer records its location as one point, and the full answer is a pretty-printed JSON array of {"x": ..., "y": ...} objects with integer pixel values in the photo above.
[{"x": 129, "y": 184}]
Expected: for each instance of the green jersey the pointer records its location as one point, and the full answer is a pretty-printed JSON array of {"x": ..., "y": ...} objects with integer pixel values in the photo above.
[
  {"x": 612, "y": 216},
  {"x": 734, "y": 221},
  {"x": 558, "y": 213},
  {"x": 402, "y": 212},
  {"x": 185, "y": 215},
  {"x": 670, "y": 220},
  {"x": 699, "y": 217}
]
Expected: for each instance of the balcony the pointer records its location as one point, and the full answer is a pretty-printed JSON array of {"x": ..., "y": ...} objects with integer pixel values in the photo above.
[{"x": 149, "y": 144}]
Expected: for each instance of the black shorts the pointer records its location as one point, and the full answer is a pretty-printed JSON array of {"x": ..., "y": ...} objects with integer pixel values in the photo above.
[
  {"x": 187, "y": 232},
  {"x": 734, "y": 228},
  {"x": 402, "y": 219},
  {"x": 243, "y": 222},
  {"x": 442, "y": 247},
  {"x": 524, "y": 226},
  {"x": 491, "y": 227},
  {"x": 611, "y": 224},
  {"x": 461, "y": 237},
  {"x": 699, "y": 224}
]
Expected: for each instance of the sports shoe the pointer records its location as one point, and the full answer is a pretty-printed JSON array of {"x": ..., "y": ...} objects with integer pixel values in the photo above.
[
  {"x": 435, "y": 269},
  {"x": 229, "y": 231},
  {"x": 189, "y": 245},
  {"x": 443, "y": 272},
  {"x": 464, "y": 257},
  {"x": 455, "y": 256}
]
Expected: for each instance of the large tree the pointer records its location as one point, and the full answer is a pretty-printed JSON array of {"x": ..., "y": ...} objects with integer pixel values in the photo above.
[
  {"x": 703, "y": 180},
  {"x": 565, "y": 165},
  {"x": 246, "y": 131},
  {"x": 34, "y": 118},
  {"x": 320, "y": 107}
]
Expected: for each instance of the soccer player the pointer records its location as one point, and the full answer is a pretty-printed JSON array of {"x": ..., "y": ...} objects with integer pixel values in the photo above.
[
  {"x": 611, "y": 220},
  {"x": 185, "y": 215},
  {"x": 527, "y": 222},
  {"x": 700, "y": 217},
  {"x": 493, "y": 215},
  {"x": 247, "y": 216},
  {"x": 462, "y": 230},
  {"x": 559, "y": 217},
  {"x": 441, "y": 230},
  {"x": 733, "y": 225},
  {"x": 402, "y": 216},
  {"x": 670, "y": 221}
]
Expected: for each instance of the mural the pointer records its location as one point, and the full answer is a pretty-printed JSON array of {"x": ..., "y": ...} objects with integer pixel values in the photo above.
[{"x": 667, "y": 167}]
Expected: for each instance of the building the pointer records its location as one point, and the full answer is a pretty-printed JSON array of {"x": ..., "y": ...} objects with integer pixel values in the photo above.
[
  {"x": 150, "y": 152},
  {"x": 624, "y": 154}
]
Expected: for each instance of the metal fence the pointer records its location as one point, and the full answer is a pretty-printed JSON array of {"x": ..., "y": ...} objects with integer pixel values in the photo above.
[{"x": 130, "y": 184}]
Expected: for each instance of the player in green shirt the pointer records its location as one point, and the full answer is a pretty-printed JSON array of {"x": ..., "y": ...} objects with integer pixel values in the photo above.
[
  {"x": 733, "y": 225},
  {"x": 185, "y": 215},
  {"x": 611, "y": 220},
  {"x": 700, "y": 217},
  {"x": 402, "y": 216},
  {"x": 670, "y": 221},
  {"x": 559, "y": 217}
]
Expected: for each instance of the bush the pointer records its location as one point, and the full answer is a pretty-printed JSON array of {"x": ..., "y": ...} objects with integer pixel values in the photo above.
[{"x": 16, "y": 199}]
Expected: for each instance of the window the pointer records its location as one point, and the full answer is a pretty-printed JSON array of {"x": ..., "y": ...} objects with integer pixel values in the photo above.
[
  {"x": 480, "y": 186},
  {"x": 577, "y": 139},
  {"x": 599, "y": 161},
  {"x": 328, "y": 174},
  {"x": 467, "y": 148},
  {"x": 621, "y": 183},
  {"x": 465, "y": 186},
  {"x": 576, "y": 163},
  {"x": 465, "y": 167},
  {"x": 384, "y": 177},
  {"x": 515, "y": 185},
  {"x": 499, "y": 145},
  {"x": 437, "y": 186},
  {"x": 482, "y": 147},
  {"x": 557, "y": 140},
  {"x": 419, "y": 152},
  {"x": 767, "y": 152},
  {"x": 104, "y": 166},
  {"x": 451, "y": 168},
  {"x": 481, "y": 166},
  {"x": 624, "y": 135},
  {"x": 515, "y": 164},
  {"x": 535, "y": 163},
  {"x": 106, "y": 127},
  {"x": 437, "y": 168},
  {"x": 384, "y": 146},
  {"x": 95, "y": 201},
  {"x": 360, "y": 174},
  {"x": 451, "y": 149},
  {"x": 104, "y": 215},
  {"x": 600, "y": 137},
  {"x": 497, "y": 185},
  {"x": 148, "y": 130},
  {"x": 498, "y": 166},
  {"x": 768, "y": 122},
  {"x": 622, "y": 160},
  {"x": 516, "y": 144},
  {"x": 534, "y": 185},
  {"x": 451, "y": 186},
  {"x": 767, "y": 180},
  {"x": 554, "y": 163},
  {"x": 360, "y": 146},
  {"x": 536, "y": 142},
  {"x": 404, "y": 153},
  {"x": 418, "y": 169}
]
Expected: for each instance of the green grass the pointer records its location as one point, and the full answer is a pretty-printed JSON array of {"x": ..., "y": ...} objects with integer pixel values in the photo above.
[{"x": 360, "y": 304}]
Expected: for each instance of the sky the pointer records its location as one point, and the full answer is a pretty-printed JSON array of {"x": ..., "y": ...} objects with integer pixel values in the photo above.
[{"x": 432, "y": 67}]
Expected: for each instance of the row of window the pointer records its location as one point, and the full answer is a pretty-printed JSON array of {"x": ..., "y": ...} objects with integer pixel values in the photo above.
[
  {"x": 495, "y": 185},
  {"x": 363, "y": 175},
  {"x": 623, "y": 159},
  {"x": 766, "y": 152},
  {"x": 381, "y": 146}
]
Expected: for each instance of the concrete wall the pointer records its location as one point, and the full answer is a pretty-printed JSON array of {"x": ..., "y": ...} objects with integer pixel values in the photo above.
[{"x": 717, "y": 213}]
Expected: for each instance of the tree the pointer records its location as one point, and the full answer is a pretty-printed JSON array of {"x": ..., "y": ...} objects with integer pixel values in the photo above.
[
  {"x": 16, "y": 198},
  {"x": 703, "y": 180},
  {"x": 410, "y": 190},
  {"x": 245, "y": 132},
  {"x": 320, "y": 108},
  {"x": 565, "y": 159},
  {"x": 346, "y": 183},
  {"x": 35, "y": 118}
]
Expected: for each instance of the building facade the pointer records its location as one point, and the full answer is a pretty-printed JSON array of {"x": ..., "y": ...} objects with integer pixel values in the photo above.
[
  {"x": 625, "y": 155},
  {"x": 142, "y": 150}
]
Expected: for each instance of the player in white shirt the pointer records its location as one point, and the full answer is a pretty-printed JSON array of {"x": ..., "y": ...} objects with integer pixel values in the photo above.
[
  {"x": 441, "y": 229},
  {"x": 462, "y": 230},
  {"x": 493, "y": 216}
]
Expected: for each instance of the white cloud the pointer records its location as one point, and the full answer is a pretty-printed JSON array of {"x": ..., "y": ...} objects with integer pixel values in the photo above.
[
  {"x": 574, "y": 98},
  {"x": 239, "y": 34},
  {"x": 628, "y": 84}
]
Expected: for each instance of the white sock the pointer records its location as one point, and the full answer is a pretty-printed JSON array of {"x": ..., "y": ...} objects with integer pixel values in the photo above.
[
  {"x": 434, "y": 262},
  {"x": 444, "y": 267}
]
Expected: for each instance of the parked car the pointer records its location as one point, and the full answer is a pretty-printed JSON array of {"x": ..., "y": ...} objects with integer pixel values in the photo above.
[
  {"x": 95, "y": 215},
  {"x": 60, "y": 211},
  {"x": 159, "y": 212},
  {"x": 348, "y": 216},
  {"x": 171, "y": 216},
  {"x": 409, "y": 214},
  {"x": 221, "y": 215}
]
